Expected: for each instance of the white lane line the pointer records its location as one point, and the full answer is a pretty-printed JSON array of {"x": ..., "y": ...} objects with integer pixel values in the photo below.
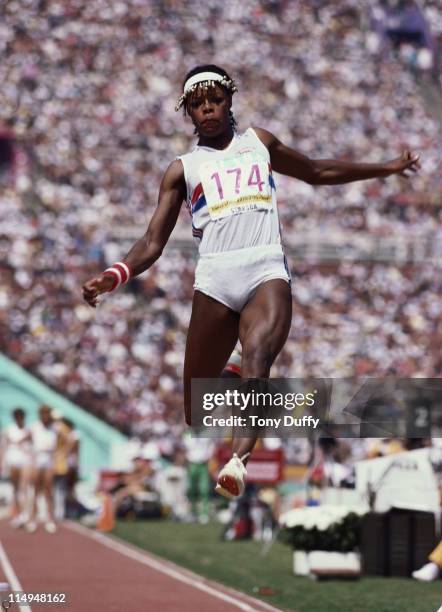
[
  {"x": 11, "y": 576},
  {"x": 172, "y": 570}
]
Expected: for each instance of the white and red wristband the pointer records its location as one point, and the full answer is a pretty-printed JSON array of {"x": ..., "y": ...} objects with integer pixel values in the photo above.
[{"x": 121, "y": 272}]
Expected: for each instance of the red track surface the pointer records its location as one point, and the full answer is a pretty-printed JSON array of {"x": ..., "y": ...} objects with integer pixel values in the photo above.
[{"x": 119, "y": 578}]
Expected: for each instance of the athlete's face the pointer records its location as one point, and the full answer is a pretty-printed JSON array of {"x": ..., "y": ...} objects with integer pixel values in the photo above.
[
  {"x": 19, "y": 419},
  {"x": 209, "y": 110},
  {"x": 45, "y": 416}
]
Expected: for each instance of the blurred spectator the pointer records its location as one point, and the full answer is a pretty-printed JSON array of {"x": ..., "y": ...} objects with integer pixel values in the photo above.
[
  {"x": 172, "y": 485},
  {"x": 199, "y": 452},
  {"x": 44, "y": 444},
  {"x": 60, "y": 466},
  {"x": 66, "y": 467},
  {"x": 73, "y": 464},
  {"x": 16, "y": 463},
  {"x": 136, "y": 488}
]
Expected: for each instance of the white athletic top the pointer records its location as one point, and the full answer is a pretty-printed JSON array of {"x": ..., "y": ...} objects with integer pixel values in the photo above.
[
  {"x": 18, "y": 449},
  {"x": 44, "y": 439},
  {"x": 231, "y": 195},
  {"x": 15, "y": 435}
]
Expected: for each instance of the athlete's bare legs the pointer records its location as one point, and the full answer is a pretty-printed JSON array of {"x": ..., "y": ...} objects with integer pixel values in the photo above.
[
  {"x": 212, "y": 335},
  {"x": 16, "y": 481},
  {"x": 263, "y": 327},
  {"x": 42, "y": 481}
]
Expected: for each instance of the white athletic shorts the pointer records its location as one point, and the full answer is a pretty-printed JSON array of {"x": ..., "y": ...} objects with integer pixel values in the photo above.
[
  {"x": 16, "y": 458},
  {"x": 43, "y": 460},
  {"x": 233, "y": 277}
]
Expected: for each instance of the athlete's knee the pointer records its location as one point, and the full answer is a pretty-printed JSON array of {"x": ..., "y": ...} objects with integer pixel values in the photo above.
[{"x": 257, "y": 358}]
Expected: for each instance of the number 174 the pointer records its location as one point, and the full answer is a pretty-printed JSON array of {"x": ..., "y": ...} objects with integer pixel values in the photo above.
[{"x": 254, "y": 179}]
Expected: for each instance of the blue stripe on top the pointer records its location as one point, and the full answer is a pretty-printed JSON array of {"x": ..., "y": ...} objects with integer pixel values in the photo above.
[{"x": 199, "y": 204}]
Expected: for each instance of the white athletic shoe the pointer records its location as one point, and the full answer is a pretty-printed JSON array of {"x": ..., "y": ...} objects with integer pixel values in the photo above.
[
  {"x": 18, "y": 521},
  {"x": 51, "y": 527},
  {"x": 231, "y": 478},
  {"x": 31, "y": 527},
  {"x": 427, "y": 573}
]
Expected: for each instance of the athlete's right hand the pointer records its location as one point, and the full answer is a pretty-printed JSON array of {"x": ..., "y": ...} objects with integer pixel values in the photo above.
[{"x": 95, "y": 287}]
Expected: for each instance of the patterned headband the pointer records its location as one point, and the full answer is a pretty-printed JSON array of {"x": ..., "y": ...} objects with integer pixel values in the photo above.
[{"x": 206, "y": 79}]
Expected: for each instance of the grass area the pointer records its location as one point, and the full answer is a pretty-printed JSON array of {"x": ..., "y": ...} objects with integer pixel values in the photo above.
[{"x": 243, "y": 566}]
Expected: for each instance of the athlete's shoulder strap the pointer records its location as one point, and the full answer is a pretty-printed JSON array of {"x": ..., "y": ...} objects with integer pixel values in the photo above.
[
  {"x": 184, "y": 159},
  {"x": 258, "y": 140}
]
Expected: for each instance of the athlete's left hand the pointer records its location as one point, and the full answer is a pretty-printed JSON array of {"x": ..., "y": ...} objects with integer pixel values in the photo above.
[{"x": 403, "y": 165}]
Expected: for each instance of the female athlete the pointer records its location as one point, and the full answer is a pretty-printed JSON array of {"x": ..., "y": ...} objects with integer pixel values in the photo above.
[
  {"x": 44, "y": 445},
  {"x": 17, "y": 459},
  {"x": 242, "y": 283}
]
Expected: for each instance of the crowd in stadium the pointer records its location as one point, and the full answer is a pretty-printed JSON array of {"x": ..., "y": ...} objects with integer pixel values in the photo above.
[{"x": 89, "y": 109}]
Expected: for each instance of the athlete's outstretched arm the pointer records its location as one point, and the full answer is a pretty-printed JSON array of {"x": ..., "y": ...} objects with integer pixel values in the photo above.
[
  {"x": 331, "y": 171},
  {"x": 149, "y": 247}
]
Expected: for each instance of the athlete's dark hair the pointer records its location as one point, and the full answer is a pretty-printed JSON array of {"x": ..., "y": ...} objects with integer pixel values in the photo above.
[
  {"x": 228, "y": 85},
  {"x": 18, "y": 413}
]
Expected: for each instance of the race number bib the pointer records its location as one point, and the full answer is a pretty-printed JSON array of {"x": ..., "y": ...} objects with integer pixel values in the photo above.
[{"x": 236, "y": 185}]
